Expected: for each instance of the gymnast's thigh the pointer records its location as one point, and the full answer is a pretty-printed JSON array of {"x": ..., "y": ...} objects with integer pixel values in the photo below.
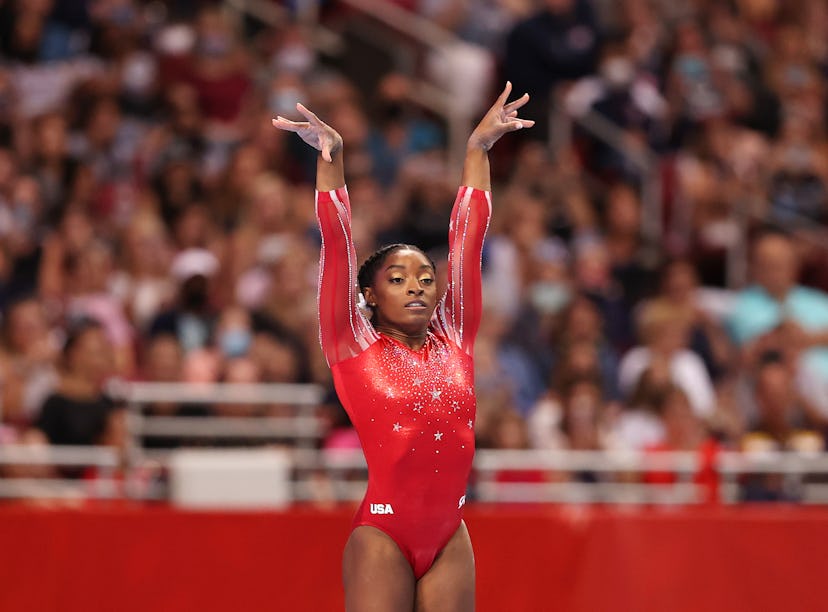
[
  {"x": 376, "y": 575},
  {"x": 448, "y": 586}
]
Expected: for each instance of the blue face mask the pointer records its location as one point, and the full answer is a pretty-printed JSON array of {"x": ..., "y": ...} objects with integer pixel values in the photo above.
[{"x": 235, "y": 342}]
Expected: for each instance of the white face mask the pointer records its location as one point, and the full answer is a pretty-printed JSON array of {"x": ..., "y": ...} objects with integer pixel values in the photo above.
[
  {"x": 139, "y": 73},
  {"x": 618, "y": 72},
  {"x": 549, "y": 298},
  {"x": 298, "y": 59}
]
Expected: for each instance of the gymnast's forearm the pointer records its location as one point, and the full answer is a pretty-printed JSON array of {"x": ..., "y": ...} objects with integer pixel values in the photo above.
[
  {"x": 476, "y": 171},
  {"x": 330, "y": 175}
]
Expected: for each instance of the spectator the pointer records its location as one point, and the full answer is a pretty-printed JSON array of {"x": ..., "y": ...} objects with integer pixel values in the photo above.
[
  {"x": 684, "y": 431},
  {"x": 633, "y": 261},
  {"x": 692, "y": 87},
  {"x": 239, "y": 370},
  {"x": 90, "y": 294},
  {"x": 640, "y": 426},
  {"x": 79, "y": 412},
  {"x": 143, "y": 282},
  {"x": 163, "y": 362},
  {"x": 401, "y": 133},
  {"x": 509, "y": 432},
  {"x": 558, "y": 44},
  {"x": 665, "y": 334},
  {"x": 783, "y": 414},
  {"x": 191, "y": 320},
  {"x": 781, "y": 426},
  {"x": 775, "y": 314},
  {"x": 627, "y": 96},
  {"x": 31, "y": 349},
  {"x": 798, "y": 192},
  {"x": 583, "y": 416},
  {"x": 679, "y": 290},
  {"x": 594, "y": 279}
]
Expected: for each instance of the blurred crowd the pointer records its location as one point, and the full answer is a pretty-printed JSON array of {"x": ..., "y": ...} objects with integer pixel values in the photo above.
[{"x": 154, "y": 227}]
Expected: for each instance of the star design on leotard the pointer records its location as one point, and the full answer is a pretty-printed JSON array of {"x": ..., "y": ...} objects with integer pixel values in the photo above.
[
  {"x": 435, "y": 394},
  {"x": 448, "y": 380},
  {"x": 438, "y": 436},
  {"x": 470, "y": 390},
  {"x": 416, "y": 382},
  {"x": 389, "y": 393},
  {"x": 397, "y": 427},
  {"x": 470, "y": 423},
  {"x": 455, "y": 405},
  {"x": 418, "y": 407}
]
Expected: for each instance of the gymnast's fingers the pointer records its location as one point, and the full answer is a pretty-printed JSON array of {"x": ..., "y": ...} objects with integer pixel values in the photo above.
[
  {"x": 310, "y": 116},
  {"x": 516, "y": 104},
  {"x": 291, "y": 126},
  {"x": 501, "y": 100}
]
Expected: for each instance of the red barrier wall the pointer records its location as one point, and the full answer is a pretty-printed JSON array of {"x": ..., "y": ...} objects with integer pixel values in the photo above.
[{"x": 541, "y": 559}]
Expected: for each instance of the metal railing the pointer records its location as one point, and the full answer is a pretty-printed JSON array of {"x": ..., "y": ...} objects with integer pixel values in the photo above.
[
  {"x": 499, "y": 476},
  {"x": 302, "y": 426}
]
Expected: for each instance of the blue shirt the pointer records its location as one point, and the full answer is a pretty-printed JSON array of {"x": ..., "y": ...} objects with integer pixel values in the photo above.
[{"x": 756, "y": 312}]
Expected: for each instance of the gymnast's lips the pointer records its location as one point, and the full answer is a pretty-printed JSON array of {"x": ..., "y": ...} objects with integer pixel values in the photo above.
[{"x": 416, "y": 305}]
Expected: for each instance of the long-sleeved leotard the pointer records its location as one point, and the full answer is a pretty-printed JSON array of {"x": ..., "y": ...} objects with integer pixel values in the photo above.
[{"x": 414, "y": 411}]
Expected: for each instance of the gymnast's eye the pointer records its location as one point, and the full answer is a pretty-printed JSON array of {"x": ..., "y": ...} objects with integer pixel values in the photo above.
[
  {"x": 396, "y": 280},
  {"x": 427, "y": 280}
]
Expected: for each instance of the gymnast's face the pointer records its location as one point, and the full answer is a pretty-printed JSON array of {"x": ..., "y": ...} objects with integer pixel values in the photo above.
[{"x": 404, "y": 292}]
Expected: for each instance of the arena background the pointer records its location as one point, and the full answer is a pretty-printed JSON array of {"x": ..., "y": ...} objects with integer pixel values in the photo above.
[{"x": 652, "y": 368}]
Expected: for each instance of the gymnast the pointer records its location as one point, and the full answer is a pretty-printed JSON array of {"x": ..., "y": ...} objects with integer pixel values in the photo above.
[{"x": 405, "y": 375}]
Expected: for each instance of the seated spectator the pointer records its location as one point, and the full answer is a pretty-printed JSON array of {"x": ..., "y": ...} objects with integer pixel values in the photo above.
[
  {"x": 79, "y": 412},
  {"x": 91, "y": 294},
  {"x": 594, "y": 279},
  {"x": 239, "y": 370},
  {"x": 583, "y": 421},
  {"x": 191, "y": 318},
  {"x": 781, "y": 425},
  {"x": 692, "y": 88},
  {"x": 163, "y": 362},
  {"x": 679, "y": 290},
  {"x": 578, "y": 364},
  {"x": 632, "y": 259},
  {"x": 144, "y": 282},
  {"x": 639, "y": 425},
  {"x": 684, "y": 431},
  {"x": 665, "y": 334},
  {"x": 626, "y": 95},
  {"x": 28, "y": 363},
  {"x": 783, "y": 422},
  {"x": 401, "y": 133},
  {"x": 218, "y": 71},
  {"x": 798, "y": 191},
  {"x": 267, "y": 217},
  {"x": 509, "y": 432},
  {"x": 583, "y": 416},
  {"x": 775, "y": 314}
]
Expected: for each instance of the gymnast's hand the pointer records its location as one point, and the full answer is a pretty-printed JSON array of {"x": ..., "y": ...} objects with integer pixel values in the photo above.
[
  {"x": 314, "y": 131},
  {"x": 500, "y": 119}
]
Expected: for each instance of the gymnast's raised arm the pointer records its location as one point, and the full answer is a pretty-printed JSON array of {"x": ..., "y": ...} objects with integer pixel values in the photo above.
[
  {"x": 343, "y": 331},
  {"x": 459, "y": 312}
]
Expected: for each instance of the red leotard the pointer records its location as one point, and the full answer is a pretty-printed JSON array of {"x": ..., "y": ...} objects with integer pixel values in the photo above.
[{"x": 414, "y": 411}]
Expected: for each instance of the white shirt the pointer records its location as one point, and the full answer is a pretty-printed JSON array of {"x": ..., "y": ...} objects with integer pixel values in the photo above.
[{"x": 687, "y": 372}]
